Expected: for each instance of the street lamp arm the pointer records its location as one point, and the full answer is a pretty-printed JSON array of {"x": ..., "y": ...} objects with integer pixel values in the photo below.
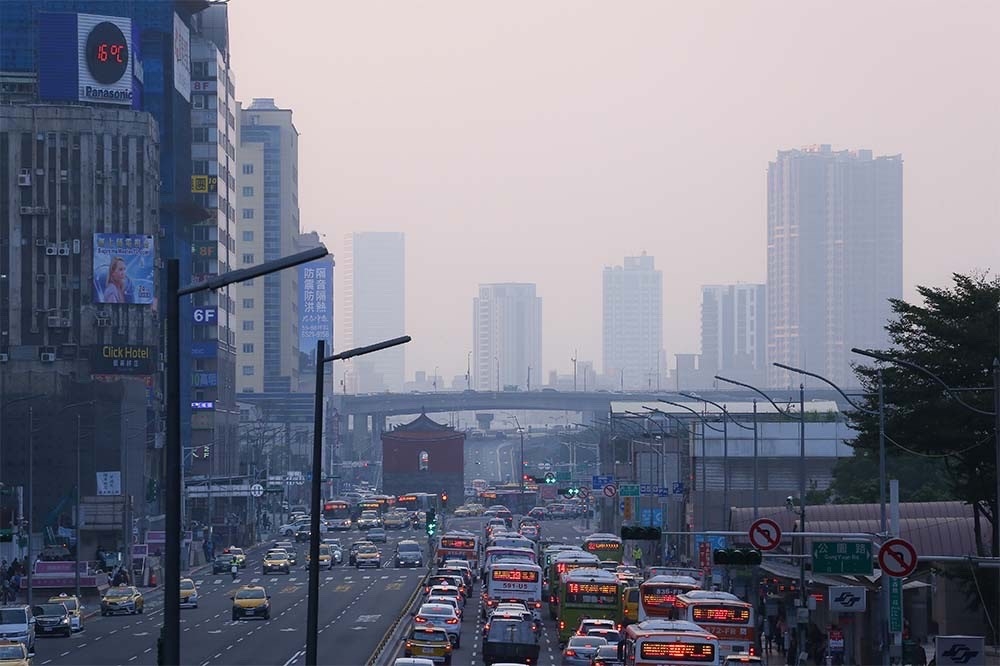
[
  {"x": 703, "y": 419},
  {"x": 919, "y": 368},
  {"x": 721, "y": 407},
  {"x": 243, "y": 274},
  {"x": 827, "y": 381},
  {"x": 361, "y": 351},
  {"x": 783, "y": 412}
]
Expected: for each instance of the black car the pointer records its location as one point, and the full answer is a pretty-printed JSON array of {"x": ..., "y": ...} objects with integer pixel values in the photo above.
[
  {"x": 222, "y": 563},
  {"x": 409, "y": 554},
  {"x": 52, "y": 619},
  {"x": 303, "y": 533}
]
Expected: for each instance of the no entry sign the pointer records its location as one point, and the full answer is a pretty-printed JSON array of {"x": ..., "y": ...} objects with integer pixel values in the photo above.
[{"x": 765, "y": 534}]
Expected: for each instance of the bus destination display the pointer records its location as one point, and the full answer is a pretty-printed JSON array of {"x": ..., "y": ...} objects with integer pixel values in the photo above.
[
  {"x": 602, "y": 545},
  {"x": 695, "y": 652},
  {"x": 725, "y": 614},
  {"x": 458, "y": 544},
  {"x": 516, "y": 576}
]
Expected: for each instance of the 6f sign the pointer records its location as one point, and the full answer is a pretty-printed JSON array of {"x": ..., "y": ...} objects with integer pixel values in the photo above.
[{"x": 207, "y": 316}]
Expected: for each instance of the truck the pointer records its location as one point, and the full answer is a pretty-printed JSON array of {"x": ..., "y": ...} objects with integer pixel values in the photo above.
[{"x": 511, "y": 640}]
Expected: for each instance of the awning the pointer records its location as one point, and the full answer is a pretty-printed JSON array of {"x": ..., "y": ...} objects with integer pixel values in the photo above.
[
  {"x": 915, "y": 585},
  {"x": 791, "y": 572}
]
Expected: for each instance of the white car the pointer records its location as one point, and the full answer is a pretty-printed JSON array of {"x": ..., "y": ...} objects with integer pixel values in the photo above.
[
  {"x": 289, "y": 529},
  {"x": 441, "y": 616},
  {"x": 449, "y": 601}
]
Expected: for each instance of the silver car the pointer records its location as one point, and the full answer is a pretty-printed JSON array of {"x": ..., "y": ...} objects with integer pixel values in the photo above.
[
  {"x": 440, "y": 616},
  {"x": 580, "y": 650}
]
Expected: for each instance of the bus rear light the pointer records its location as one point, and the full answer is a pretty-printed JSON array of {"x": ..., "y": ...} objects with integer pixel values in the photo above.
[{"x": 562, "y": 625}]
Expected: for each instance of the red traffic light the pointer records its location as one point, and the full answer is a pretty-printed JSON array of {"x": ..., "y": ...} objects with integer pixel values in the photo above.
[{"x": 444, "y": 497}]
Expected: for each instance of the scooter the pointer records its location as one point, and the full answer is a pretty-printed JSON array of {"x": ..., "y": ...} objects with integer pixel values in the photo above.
[{"x": 234, "y": 570}]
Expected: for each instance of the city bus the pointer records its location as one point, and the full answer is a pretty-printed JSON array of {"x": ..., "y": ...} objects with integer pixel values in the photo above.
[
  {"x": 563, "y": 563},
  {"x": 588, "y": 593},
  {"x": 413, "y": 502},
  {"x": 337, "y": 514},
  {"x": 605, "y": 546},
  {"x": 658, "y": 596},
  {"x": 723, "y": 614},
  {"x": 513, "y": 581},
  {"x": 479, "y": 485},
  {"x": 668, "y": 643},
  {"x": 456, "y": 545}
]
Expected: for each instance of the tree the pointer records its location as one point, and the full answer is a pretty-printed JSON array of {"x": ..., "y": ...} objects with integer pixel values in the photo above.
[{"x": 954, "y": 333}]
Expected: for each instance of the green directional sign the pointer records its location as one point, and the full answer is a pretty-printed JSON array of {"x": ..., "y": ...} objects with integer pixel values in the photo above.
[
  {"x": 852, "y": 558},
  {"x": 628, "y": 489},
  {"x": 895, "y": 604},
  {"x": 562, "y": 476}
]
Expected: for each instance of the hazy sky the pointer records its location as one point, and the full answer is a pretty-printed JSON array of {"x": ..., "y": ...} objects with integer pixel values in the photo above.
[{"x": 541, "y": 141}]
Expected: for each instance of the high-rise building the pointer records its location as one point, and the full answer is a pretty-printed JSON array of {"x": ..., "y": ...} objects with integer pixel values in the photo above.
[
  {"x": 375, "y": 307},
  {"x": 633, "y": 323},
  {"x": 834, "y": 257},
  {"x": 733, "y": 331},
  {"x": 214, "y": 432},
  {"x": 267, "y": 186},
  {"x": 507, "y": 337}
]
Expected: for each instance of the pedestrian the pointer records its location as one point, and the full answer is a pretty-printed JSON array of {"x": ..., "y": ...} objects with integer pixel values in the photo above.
[
  {"x": 637, "y": 556},
  {"x": 786, "y": 639},
  {"x": 767, "y": 635}
]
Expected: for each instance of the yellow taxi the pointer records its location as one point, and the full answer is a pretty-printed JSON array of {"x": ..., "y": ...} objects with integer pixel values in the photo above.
[
  {"x": 122, "y": 599},
  {"x": 277, "y": 560},
  {"x": 13, "y": 653},
  {"x": 189, "y": 593},
  {"x": 368, "y": 556},
  {"x": 428, "y": 643},
  {"x": 251, "y": 601},
  {"x": 72, "y": 604},
  {"x": 325, "y": 557},
  {"x": 238, "y": 556},
  {"x": 396, "y": 521}
]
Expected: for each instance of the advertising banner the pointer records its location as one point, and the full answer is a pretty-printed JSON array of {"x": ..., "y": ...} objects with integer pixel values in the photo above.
[
  {"x": 124, "y": 268},
  {"x": 315, "y": 305},
  {"x": 204, "y": 349},
  {"x": 182, "y": 58},
  {"x": 109, "y": 483},
  {"x": 123, "y": 360},
  {"x": 105, "y": 59},
  {"x": 205, "y": 379}
]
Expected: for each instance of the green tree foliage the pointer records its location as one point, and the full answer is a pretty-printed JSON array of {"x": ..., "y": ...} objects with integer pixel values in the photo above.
[{"x": 939, "y": 448}]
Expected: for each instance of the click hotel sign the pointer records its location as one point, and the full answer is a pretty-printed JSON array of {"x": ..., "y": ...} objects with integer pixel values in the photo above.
[{"x": 123, "y": 360}]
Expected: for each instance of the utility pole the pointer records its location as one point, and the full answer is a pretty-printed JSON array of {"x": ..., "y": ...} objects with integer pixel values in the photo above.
[
  {"x": 574, "y": 370},
  {"x": 497, "y": 359},
  {"x": 468, "y": 371},
  {"x": 529, "y": 377}
]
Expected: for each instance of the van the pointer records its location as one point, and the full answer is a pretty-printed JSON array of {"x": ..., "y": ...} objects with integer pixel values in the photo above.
[{"x": 18, "y": 624}]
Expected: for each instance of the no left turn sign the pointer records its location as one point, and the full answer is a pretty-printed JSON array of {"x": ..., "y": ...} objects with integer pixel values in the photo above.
[
  {"x": 897, "y": 557},
  {"x": 610, "y": 490},
  {"x": 765, "y": 534}
]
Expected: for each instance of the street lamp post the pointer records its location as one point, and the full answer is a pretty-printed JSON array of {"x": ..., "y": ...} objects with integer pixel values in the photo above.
[
  {"x": 468, "y": 371},
  {"x": 704, "y": 467},
  {"x": 803, "y": 597},
  {"x": 312, "y": 619},
  {"x": 170, "y": 635}
]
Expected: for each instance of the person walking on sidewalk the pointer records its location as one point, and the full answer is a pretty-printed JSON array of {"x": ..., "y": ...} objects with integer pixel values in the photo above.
[{"x": 767, "y": 635}]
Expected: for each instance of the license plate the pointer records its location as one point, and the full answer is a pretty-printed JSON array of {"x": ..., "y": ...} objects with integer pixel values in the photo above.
[
  {"x": 427, "y": 650},
  {"x": 250, "y": 612}
]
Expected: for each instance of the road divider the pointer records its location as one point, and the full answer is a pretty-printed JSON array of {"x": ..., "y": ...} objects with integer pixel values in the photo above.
[{"x": 381, "y": 656}]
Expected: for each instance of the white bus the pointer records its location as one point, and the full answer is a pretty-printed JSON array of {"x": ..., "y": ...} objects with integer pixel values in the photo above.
[
  {"x": 723, "y": 614},
  {"x": 668, "y": 643},
  {"x": 513, "y": 581}
]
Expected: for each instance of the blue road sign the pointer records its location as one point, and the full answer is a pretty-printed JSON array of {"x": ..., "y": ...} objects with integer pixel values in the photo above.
[
  {"x": 678, "y": 488},
  {"x": 652, "y": 517},
  {"x": 598, "y": 481},
  {"x": 716, "y": 542}
]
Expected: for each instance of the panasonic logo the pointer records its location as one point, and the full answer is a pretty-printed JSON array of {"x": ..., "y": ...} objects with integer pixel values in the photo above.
[{"x": 90, "y": 92}]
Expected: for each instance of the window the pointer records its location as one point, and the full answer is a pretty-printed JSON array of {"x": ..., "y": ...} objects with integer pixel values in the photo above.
[
  {"x": 248, "y": 371},
  {"x": 248, "y": 258},
  {"x": 247, "y": 169},
  {"x": 248, "y": 213},
  {"x": 247, "y": 347},
  {"x": 248, "y": 324},
  {"x": 248, "y": 303},
  {"x": 248, "y": 236},
  {"x": 423, "y": 461},
  {"x": 248, "y": 190}
]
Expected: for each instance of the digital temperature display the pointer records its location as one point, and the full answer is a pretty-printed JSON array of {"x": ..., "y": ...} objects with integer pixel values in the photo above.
[
  {"x": 515, "y": 576},
  {"x": 107, "y": 53},
  {"x": 723, "y": 614},
  {"x": 696, "y": 652}
]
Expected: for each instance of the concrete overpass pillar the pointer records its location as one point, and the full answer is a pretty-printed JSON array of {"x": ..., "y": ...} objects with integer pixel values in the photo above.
[
  {"x": 378, "y": 427},
  {"x": 361, "y": 436},
  {"x": 484, "y": 419}
]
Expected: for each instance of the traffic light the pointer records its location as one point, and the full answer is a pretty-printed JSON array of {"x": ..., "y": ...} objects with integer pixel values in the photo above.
[
  {"x": 550, "y": 478},
  {"x": 736, "y": 557},
  {"x": 430, "y": 522},
  {"x": 444, "y": 498},
  {"x": 527, "y": 478},
  {"x": 636, "y": 533}
]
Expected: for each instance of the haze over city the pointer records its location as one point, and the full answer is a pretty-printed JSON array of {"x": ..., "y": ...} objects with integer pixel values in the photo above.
[{"x": 541, "y": 142}]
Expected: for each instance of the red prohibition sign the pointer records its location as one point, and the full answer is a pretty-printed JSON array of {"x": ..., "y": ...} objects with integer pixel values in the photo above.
[
  {"x": 765, "y": 534},
  {"x": 897, "y": 558}
]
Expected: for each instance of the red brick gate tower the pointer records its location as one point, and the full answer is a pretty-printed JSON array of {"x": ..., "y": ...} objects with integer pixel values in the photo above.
[{"x": 424, "y": 456}]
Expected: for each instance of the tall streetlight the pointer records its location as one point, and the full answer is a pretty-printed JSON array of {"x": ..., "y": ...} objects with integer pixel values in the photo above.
[
  {"x": 704, "y": 475},
  {"x": 497, "y": 359},
  {"x": 574, "y": 369},
  {"x": 802, "y": 484},
  {"x": 312, "y": 619},
  {"x": 468, "y": 371},
  {"x": 170, "y": 635},
  {"x": 957, "y": 398}
]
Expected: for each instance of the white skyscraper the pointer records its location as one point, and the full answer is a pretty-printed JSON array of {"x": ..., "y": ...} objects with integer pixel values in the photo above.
[
  {"x": 633, "y": 322},
  {"x": 733, "y": 325},
  {"x": 374, "y": 270},
  {"x": 834, "y": 257},
  {"x": 506, "y": 336}
]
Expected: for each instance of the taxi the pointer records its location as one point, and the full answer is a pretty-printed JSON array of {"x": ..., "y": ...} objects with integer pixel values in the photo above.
[
  {"x": 251, "y": 601},
  {"x": 276, "y": 560},
  {"x": 189, "y": 593},
  {"x": 122, "y": 599},
  {"x": 72, "y": 604},
  {"x": 13, "y": 653},
  {"x": 429, "y": 643},
  {"x": 396, "y": 521},
  {"x": 368, "y": 556},
  {"x": 238, "y": 555},
  {"x": 325, "y": 557}
]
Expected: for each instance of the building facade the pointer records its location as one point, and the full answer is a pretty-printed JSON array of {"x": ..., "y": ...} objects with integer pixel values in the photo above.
[
  {"x": 834, "y": 257},
  {"x": 733, "y": 331},
  {"x": 507, "y": 337},
  {"x": 214, "y": 434},
  {"x": 633, "y": 323},
  {"x": 423, "y": 456},
  {"x": 374, "y": 269},
  {"x": 267, "y": 335}
]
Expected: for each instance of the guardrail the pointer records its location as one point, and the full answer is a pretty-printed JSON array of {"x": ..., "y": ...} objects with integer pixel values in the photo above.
[{"x": 390, "y": 637}]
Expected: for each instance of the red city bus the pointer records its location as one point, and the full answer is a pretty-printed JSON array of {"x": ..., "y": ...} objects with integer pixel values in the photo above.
[{"x": 658, "y": 596}]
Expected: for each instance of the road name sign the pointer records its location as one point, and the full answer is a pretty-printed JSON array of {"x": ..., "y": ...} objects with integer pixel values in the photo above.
[
  {"x": 852, "y": 558},
  {"x": 563, "y": 476},
  {"x": 895, "y": 605},
  {"x": 765, "y": 534},
  {"x": 628, "y": 489},
  {"x": 598, "y": 481},
  {"x": 897, "y": 557}
]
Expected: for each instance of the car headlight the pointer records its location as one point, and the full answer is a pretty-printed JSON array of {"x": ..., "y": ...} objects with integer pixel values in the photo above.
[{"x": 65, "y": 620}]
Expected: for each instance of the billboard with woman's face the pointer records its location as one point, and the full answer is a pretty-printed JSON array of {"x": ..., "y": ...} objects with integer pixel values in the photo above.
[{"x": 124, "y": 268}]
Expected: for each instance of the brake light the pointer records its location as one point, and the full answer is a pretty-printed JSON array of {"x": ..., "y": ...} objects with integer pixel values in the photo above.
[
  {"x": 753, "y": 650},
  {"x": 427, "y": 590},
  {"x": 569, "y": 653},
  {"x": 452, "y": 620},
  {"x": 562, "y": 625},
  {"x": 408, "y": 645},
  {"x": 419, "y": 619},
  {"x": 538, "y": 604}
]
